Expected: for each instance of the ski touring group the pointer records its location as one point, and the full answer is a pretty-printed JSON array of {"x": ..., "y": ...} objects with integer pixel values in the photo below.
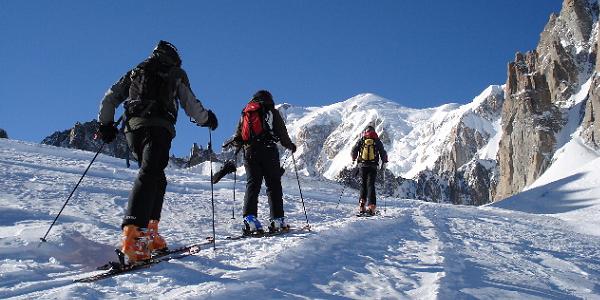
[{"x": 151, "y": 94}]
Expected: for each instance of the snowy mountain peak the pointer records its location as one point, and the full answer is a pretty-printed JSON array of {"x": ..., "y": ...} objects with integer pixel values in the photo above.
[{"x": 414, "y": 138}]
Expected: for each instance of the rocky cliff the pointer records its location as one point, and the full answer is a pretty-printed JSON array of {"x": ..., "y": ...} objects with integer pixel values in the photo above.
[
  {"x": 539, "y": 94},
  {"x": 3, "y": 134},
  {"x": 591, "y": 120}
]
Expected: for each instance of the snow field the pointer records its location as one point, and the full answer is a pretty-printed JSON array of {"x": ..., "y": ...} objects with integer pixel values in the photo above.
[{"x": 415, "y": 250}]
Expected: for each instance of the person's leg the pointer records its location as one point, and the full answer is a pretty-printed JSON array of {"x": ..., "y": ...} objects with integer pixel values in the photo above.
[
  {"x": 152, "y": 150},
  {"x": 253, "y": 183},
  {"x": 162, "y": 147},
  {"x": 150, "y": 153},
  {"x": 363, "y": 188},
  {"x": 372, "y": 175},
  {"x": 272, "y": 172}
]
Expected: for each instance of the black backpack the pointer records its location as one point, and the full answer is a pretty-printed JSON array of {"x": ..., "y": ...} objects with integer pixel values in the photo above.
[{"x": 149, "y": 92}]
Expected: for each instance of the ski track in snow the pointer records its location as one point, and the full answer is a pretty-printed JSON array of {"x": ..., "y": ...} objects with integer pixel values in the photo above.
[{"x": 415, "y": 250}]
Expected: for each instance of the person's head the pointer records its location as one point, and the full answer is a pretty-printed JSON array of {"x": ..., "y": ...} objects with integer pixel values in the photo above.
[
  {"x": 370, "y": 132},
  {"x": 167, "y": 53},
  {"x": 264, "y": 97}
]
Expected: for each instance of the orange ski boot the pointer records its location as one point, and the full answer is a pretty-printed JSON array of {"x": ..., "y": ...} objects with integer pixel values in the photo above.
[
  {"x": 135, "y": 244},
  {"x": 157, "y": 242},
  {"x": 372, "y": 210}
]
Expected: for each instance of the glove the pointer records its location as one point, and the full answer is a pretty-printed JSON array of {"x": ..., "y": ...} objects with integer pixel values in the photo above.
[
  {"x": 211, "y": 122},
  {"x": 108, "y": 132},
  {"x": 293, "y": 147},
  {"x": 231, "y": 143}
]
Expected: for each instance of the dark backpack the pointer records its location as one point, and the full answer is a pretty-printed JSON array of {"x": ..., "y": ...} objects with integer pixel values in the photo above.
[
  {"x": 255, "y": 126},
  {"x": 149, "y": 92}
]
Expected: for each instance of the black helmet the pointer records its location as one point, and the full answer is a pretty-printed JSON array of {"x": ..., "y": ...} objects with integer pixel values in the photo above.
[
  {"x": 167, "y": 51},
  {"x": 263, "y": 96},
  {"x": 369, "y": 128}
]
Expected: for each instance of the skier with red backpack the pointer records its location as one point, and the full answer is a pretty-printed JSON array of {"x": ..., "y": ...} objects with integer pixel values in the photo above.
[
  {"x": 152, "y": 93},
  {"x": 259, "y": 129},
  {"x": 368, "y": 150}
]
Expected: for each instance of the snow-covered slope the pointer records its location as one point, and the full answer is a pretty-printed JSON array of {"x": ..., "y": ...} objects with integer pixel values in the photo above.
[
  {"x": 414, "y": 138},
  {"x": 415, "y": 250},
  {"x": 569, "y": 189}
]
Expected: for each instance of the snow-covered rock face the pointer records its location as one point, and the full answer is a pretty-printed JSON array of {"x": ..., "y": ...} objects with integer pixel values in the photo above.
[
  {"x": 81, "y": 136},
  {"x": 467, "y": 165},
  {"x": 591, "y": 128},
  {"x": 566, "y": 45}
]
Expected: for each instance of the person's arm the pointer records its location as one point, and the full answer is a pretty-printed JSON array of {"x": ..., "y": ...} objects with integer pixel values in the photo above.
[
  {"x": 115, "y": 95},
  {"x": 236, "y": 140},
  {"x": 188, "y": 101},
  {"x": 382, "y": 152},
  {"x": 354, "y": 151},
  {"x": 281, "y": 132}
]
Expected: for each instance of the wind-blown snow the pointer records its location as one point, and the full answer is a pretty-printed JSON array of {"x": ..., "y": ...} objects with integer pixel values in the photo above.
[{"x": 415, "y": 250}]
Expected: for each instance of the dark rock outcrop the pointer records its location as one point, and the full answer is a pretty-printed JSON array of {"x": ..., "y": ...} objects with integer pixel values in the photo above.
[
  {"x": 529, "y": 123},
  {"x": 81, "y": 136},
  {"x": 3, "y": 134},
  {"x": 199, "y": 155}
]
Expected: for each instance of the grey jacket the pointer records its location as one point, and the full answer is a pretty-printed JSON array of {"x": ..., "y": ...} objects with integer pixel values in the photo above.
[{"x": 180, "y": 95}]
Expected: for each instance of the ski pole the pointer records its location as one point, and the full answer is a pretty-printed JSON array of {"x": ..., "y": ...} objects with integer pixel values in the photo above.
[
  {"x": 300, "y": 189},
  {"x": 43, "y": 239},
  {"x": 234, "y": 181},
  {"x": 384, "y": 198},
  {"x": 212, "y": 191},
  {"x": 343, "y": 189},
  {"x": 341, "y": 194}
]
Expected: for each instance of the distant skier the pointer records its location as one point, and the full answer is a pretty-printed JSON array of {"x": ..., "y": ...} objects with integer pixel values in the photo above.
[
  {"x": 368, "y": 150},
  {"x": 151, "y": 92},
  {"x": 259, "y": 129}
]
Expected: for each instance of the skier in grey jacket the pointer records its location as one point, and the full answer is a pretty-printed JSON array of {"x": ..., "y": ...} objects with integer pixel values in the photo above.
[{"x": 152, "y": 93}]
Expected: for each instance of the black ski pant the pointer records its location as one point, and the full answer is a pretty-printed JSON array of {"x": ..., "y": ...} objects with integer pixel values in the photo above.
[
  {"x": 150, "y": 146},
  {"x": 367, "y": 188},
  {"x": 262, "y": 161}
]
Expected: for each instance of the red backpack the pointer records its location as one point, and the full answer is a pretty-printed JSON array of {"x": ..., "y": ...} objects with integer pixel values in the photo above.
[{"x": 254, "y": 123}]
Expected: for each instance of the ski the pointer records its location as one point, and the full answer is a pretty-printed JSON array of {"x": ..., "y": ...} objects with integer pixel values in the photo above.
[
  {"x": 268, "y": 234},
  {"x": 368, "y": 215},
  {"x": 115, "y": 268}
]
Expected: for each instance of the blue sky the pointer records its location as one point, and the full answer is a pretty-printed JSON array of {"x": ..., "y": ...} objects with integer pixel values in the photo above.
[{"x": 59, "y": 57}]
